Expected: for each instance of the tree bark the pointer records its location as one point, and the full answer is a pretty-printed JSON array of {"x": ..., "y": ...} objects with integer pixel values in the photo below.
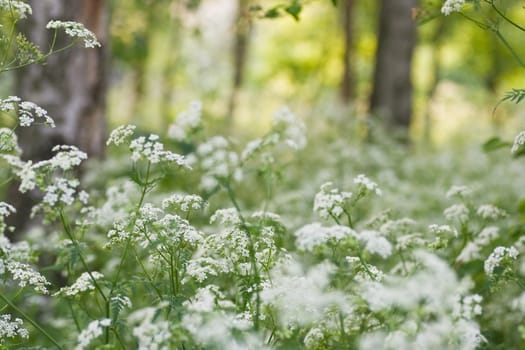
[
  {"x": 71, "y": 86},
  {"x": 243, "y": 27},
  {"x": 347, "y": 81},
  {"x": 392, "y": 90}
]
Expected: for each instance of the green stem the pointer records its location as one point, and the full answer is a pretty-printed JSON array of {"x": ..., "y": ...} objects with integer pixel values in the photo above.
[
  {"x": 30, "y": 320},
  {"x": 253, "y": 261},
  {"x": 502, "y": 15},
  {"x": 507, "y": 45}
]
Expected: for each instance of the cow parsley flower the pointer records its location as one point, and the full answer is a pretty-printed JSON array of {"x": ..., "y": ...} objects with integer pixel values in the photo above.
[
  {"x": 376, "y": 244},
  {"x": 291, "y": 128},
  {"x": 468, "y": 307},
  {"x": 150, "y": 331},
  {"x": 27, "y": 276},
  {"x": 330, "y": 202},
  {"x": 11, "y": 328},
  {"x": 442, "y": 230},
  {"x": 312, "y": 235},
  {"x": 8, "y": 141},
  {"x": 25, "y": 171},
  {"x": 121, "y": 134},
  {"x": 459, "y": 191},
  {"x": 91, "y": 332},
  {"x": 75, "y": 30},
  {"x": 153, "y": 151},
  {"x": 519, "y": 141},
  {"x": 490, "y": 212},
  {"x": 452, "y": 6},
  {"x": 500, "y": 256},
  {"x": 185, "y": 202},
  {"x": 187, "y": 122},
  {"x": 28, "y": 112},
  {"x": 366, "y": 184},
  {"x": 83, "y": 284},
  {"x": 457, "y": 212},
  {"x": 18, "y": 8}
]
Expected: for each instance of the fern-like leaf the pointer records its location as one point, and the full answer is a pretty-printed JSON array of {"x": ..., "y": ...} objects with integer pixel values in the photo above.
[{"x": 515, "y": 95}]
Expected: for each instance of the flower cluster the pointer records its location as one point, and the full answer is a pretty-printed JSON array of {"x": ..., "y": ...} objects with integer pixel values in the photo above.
[
  {"x": 519, "y": 141},
  {"x": 11, "y": 328},
  {"x": 28, "y": 112},
  {"x": 330, "y": 202},
  {"x": 121, "y": 134},
  {"x": 153, "y": 151},
  {"x": 83, "y": 284},
  {"x": 291, "y": 129},
  {"x": 500, "y": 258},
  {"x": 452, "y": 6},
  {"x": 91, "y": 332},
  {"x": 16, "y": 7},
  {"x": 75, "y": 30},
  {"x": 187, "y": 122},
  {"x": 8, "y": 141}
]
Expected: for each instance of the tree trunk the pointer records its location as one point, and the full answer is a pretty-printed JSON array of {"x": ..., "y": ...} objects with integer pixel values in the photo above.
[
  {"x": 392, "y": 91},
  {"x": 71, "y": 86},
  {"x": 243, "y": 27},
  {"x": 347, "y": 81}
]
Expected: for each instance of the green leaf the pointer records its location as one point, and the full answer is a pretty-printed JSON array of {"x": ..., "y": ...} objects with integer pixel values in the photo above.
[
  {"x": 334, "y": 2},
  {"x": 294, "y": 10},
  {"x": 494, "y": 144},
  {"x": 272, "y": 13}
]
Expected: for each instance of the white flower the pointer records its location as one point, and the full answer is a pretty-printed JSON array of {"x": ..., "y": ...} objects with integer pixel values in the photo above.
[
  {"x": 457, "y": 212},
  {"x": 186, "y": 122},
  {"x": 468, "y": 307},
  {"x": 459, "y": 191},
  {"x": 83, "y": 284},
  {"x": 330, "y": 201},
  {"x": 185, "y": 202},
  {"x": 376, "y": 244},
  {"x": 92, "y": 331},
  {"x": 490, "y": 212},
  {"x": 313, "y": 338},
  {"x": 452, "y": 6},
  {"x": 27, "y": 276},
  {"x": 11, "y": 329},
  {"x": 292, "y": 129},
  {"x": 28, "y": 112},
  {"x": 497, "y": 257},
  {"x": 440, "y": 230},
  {"x": 519, "y": 141},
  {"x": 153, "y": 151},
  {"x": 312, "y": 235},
  {"x": 151, "y": 332},
  {"x": 75, "y": 30},
  {"x": 8, "y": 141},
  {"x": 301, "y": 296},
  {"x": 367, "y": 184},
  {"x": 19, "y": 8},
  {"x": 121, "y": 134}
]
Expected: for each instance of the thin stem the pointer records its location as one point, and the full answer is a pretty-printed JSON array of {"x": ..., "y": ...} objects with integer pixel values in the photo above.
[
  {"x": 67, "y": 228},
  {"x": 507, "y": 45},
  {"x": 30, "y": 320},
  {"x": 502, "y": 15},
  {"x": 253, "y": 260}
]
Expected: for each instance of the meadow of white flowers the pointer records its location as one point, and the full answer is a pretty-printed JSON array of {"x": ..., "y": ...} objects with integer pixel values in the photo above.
[{"x": 289, "y": 241}]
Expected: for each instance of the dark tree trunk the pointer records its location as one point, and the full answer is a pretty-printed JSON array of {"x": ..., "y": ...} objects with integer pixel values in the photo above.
[
  {"x": 240, "y": 49},
  {"x": 347, "y": 81},
  {"x": 392, "y": 91},
  {"x": 71, "y": 86}
]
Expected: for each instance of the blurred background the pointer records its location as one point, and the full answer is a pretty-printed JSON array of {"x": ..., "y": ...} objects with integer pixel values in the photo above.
[{"x": 398, "y": 65}]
